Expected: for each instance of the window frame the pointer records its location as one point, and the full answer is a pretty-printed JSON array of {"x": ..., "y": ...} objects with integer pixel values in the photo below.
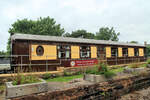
[
  {"x": 126, "y": 54},
  {"x": 63, "y": 49},
  {"x": 101, "y": 52},
  {"x": 85, "y": 51},
  {"x": 116, "y": 49},
  {"x": 40, "y": 50},
  {"x": 136, "y": 52}
]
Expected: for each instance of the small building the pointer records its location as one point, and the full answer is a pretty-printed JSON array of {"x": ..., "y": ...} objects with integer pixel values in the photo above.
[{"x": 40, "y": 53}]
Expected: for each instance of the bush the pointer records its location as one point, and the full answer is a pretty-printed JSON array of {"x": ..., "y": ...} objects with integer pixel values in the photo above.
[
  {"x": 148, "y": 61},
  {"x": 94, "y": 70},
  {"x": 144, "y": 65},
  {"x": 67, "y": 73},
  {"x": 102, "y": 68},
  {"x": 78, "y": 73},
  {"x": 46, "y": 76},
  {"x": 109, "y": 74}
]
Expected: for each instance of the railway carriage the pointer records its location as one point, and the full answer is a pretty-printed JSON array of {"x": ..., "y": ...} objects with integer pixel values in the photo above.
[{"x": 40, "y": 53}]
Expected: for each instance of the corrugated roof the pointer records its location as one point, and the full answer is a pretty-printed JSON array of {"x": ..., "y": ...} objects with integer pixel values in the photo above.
[{"x": 18, "y": 36}]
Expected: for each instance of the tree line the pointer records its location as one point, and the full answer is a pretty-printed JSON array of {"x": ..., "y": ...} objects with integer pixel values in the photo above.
[{"x": 48, "y": 26}]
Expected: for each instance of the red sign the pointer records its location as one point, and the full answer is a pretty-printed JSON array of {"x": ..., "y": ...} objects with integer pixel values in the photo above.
[{"x": 88, "y": 62}]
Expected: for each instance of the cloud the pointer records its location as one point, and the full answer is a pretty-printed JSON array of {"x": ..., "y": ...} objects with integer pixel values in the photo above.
[{"x": 129, "y": 17}]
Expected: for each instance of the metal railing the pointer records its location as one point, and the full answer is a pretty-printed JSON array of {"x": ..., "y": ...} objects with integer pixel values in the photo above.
[{"x": 25, "y": 60}]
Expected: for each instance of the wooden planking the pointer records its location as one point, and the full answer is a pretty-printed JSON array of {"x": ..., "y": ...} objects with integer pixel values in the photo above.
[
  {"x": 108, "y": 52},
  {"x": 75, "y": 52},
  {"x": 93, "y": 52},
  {"x": 130, "y": 52},
  {"x": 119, "y": 52},
  {"x": 50, "y": 52},
  {"x": 141, "y": 52}
]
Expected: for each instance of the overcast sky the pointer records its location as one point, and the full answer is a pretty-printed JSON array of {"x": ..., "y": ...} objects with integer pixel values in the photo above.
[{"x": 129, "y": 17}]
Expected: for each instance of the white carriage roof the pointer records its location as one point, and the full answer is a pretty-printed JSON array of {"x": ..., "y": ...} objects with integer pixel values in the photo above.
[{"x": 18, "y": 36}]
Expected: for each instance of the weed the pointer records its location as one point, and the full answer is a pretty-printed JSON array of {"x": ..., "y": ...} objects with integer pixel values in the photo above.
[
  {"x": 109, "y": 74},
  {"x": 148, "y": 61},
  {"x": 46, "y": 76},
  {"x": 101, "y": 69},
  {"x": 2, "y": 89},
  {"x": 78, "y": 73},
  {"x": 144, "y": 65},
  {"x": 19, "y": 78},
  {"x": 134, "y": 66},
  {"x": 67, "y": 73},
  {"x": 102, "y": 93}
]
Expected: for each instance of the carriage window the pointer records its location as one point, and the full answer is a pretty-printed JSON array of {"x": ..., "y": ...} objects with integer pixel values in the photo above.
[
  {"x": 101, "y": 52},
  {"x": 125, "y": 52},
  {"x": 114, "y": 52},
  {"x": 84, "y": 51},
  {"x": 136, "y": 52},
  {"x": 39, "y": 51},
  {"x": 63, "y": 51}
]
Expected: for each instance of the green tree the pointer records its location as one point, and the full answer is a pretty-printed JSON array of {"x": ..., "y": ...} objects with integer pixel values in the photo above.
[
  {"x": 2, "y": 53},
  {"x": 80, "y": 34},
  {"x": 41, "y": 26},
  {"x": 67, "y": 35},
  {"x": 106, "y": 33},
  {"x": 136, "y": 42},
  {"x": 148, "y": 50}
]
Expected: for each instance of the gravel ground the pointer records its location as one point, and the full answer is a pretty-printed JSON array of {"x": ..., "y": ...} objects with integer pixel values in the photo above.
[
  {"x": 2, "y": 95},
  {"x": 54, "y": 86},
  {"x": 143, "y": 94}
]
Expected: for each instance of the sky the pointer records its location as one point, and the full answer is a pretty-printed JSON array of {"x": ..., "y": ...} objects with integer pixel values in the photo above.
[{"x": 129, "y": 17}]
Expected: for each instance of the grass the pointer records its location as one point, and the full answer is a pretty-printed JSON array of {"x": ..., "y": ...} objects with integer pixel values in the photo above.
[
  {"x": 64, "y": 79},
  {"x": 117, "y": 70},
  {"x": 137, "y": 65},
  {"x": 2, "y": 87},
  {"x": 113, "y": 72},
  {"x": 144, "y": 65},
  {"x": 148, "y": 61}
]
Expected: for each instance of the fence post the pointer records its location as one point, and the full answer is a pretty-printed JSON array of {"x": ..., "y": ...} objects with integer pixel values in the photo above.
[
  {"x": 116, "y": 60},
  {"x": 106, "y": 61},
  {"x": 21, "y": 63},
  {"x": 30, "y": 66},
  {"x": 46, "y": 64},
  {"x": 124, "y": 59}
]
